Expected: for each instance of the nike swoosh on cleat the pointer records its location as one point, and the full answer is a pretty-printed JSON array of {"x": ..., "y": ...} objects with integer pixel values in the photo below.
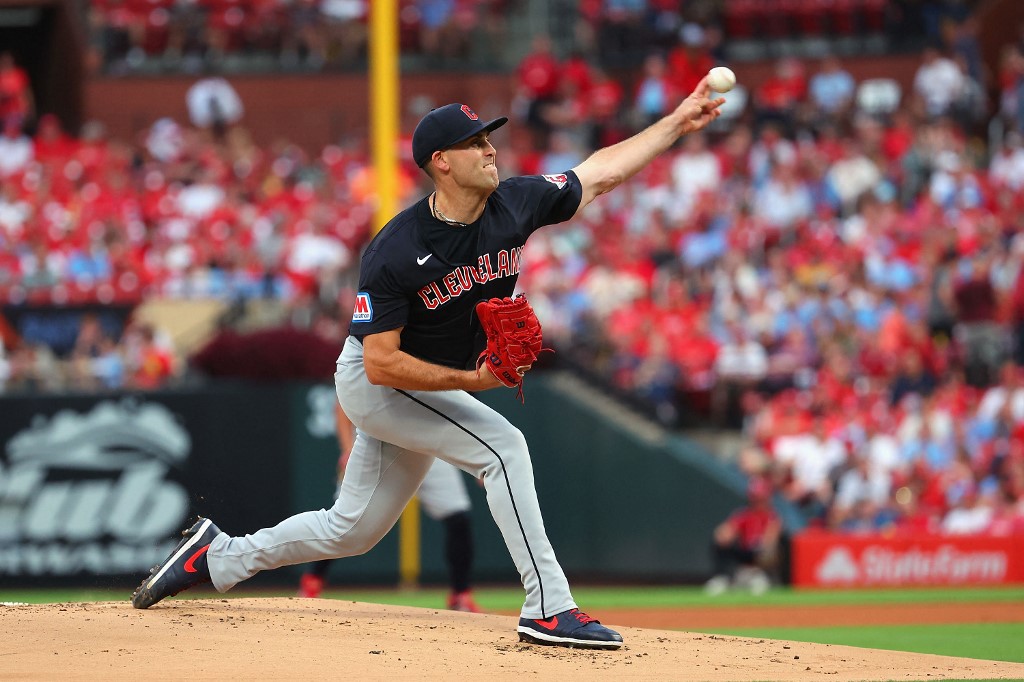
[
  {"x": 547, "y": 624},
  {"x": 421, "y": 261},
  {"x": 190, "y": 565},
  {"x": 191, "y": 542}
]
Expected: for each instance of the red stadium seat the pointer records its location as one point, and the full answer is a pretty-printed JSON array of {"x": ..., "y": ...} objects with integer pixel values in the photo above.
[
  {"x": 157, "y": 31},
  {"x": 874, "y": 13},
  {"x": 145, "y": 6},
  {"x": 741, "y": 18},
  {"x": 843, "y": 17},
  {"x": 775, "y": 19},
  {"x": 409, "y": 26},
  {"x": 809, "y": 16}
]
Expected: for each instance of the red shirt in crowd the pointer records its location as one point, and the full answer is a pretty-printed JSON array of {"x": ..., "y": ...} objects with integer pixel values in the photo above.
[
  {"x": 751, "y": 524},
  {"x": 538, "y": 75},
  {"x": 14, "y": 91},
  {"x": 687, "y": 66}
]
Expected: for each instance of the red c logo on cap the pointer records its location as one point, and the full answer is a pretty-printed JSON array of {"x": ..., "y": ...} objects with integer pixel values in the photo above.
[{"x": 469, "y": 112}]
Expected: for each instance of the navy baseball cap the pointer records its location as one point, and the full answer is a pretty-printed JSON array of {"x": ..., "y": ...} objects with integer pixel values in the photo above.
[{"x": 447, "y": 126}]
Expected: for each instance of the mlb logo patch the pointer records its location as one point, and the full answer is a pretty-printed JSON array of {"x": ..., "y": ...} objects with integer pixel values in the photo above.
[
  {"x": 363, "y": 311},
  {"x": 560, "y": 180}
]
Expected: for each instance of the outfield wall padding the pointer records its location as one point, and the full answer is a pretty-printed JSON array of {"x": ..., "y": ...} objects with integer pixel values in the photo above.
[{"x": 95, "y": 487}]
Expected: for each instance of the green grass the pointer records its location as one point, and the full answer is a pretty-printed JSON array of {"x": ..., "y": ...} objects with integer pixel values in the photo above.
[
  {"x": 990, "y": 641},
  {"x": 594, "y": 598}
]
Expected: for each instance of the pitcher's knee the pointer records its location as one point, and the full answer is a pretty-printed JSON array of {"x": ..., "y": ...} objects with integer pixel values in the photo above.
[
  {"x": 509, "y": 441},
  {"x": 349, "y": 538},
  {"x": 511, "y": 450},
  {"x": 361, "y": 545},
  {"x": 353, "y": 543}
]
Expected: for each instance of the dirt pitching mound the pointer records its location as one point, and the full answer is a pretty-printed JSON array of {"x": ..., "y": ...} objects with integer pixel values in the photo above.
[{"x": 303, "y": 639}]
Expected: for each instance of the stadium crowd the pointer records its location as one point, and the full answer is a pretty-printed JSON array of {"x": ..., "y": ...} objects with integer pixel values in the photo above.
[
  {"x": 131, "y": 36},
  {"x": 842, "y": 282},
  {"x": 154, "y": 36}
]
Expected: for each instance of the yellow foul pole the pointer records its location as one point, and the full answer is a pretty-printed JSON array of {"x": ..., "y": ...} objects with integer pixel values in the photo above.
[{"x": 384, "y": 107}]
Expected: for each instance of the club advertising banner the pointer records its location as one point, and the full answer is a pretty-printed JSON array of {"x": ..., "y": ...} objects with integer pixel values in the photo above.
[{"x": 96, "y": 489}]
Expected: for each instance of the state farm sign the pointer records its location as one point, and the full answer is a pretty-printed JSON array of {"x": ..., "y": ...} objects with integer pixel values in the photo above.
[{"x": 831, "y": 560}]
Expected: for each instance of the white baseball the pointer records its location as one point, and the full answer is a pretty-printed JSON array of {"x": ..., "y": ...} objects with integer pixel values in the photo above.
[{"x": 721, "y": 79}]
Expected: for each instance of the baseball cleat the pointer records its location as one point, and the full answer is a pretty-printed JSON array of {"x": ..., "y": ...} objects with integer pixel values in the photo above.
[
  {"x": 186, "y": 567},
  {"x": 462, "y": 601},
  {"x": 310, "y": 586},
  {"x": 571, "y": 628}
]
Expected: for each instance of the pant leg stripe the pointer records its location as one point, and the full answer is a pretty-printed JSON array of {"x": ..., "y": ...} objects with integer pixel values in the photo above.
[{"x": 508, "y": 485}]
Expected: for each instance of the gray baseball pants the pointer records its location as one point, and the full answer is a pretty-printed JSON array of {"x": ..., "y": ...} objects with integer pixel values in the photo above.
[{"x": 399, "y": 433}]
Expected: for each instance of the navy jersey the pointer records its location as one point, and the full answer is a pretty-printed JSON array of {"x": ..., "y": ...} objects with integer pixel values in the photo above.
[{"x": 427, "y": 276}]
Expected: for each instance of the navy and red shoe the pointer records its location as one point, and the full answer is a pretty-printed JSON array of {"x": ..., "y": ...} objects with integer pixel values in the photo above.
[
  {"x": 186, "y": 567},
  {"x": 571, "y": 628}
]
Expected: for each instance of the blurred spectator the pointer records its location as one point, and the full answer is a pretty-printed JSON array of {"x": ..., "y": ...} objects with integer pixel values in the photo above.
[
  {"x": 785, "y": 200},
  {"x": 16, "y": 102},
  {"x": 862, "y": 496},
  {"x": 779, "y": 97},
  {"x": 983, "y": 339},
  {"x": 51, "y": 143},
  {"x": 770, "y": 149},
  {"x": 621, "y": 33},
  {"x": 911, "y": 377},
  {"x": 149, "y": 360},
  {"x": 928, "y": 448},
  {"x": 696, "y": 171},
  {"x": 95, "y": 361},
  {"x": 832, "y": 88},
  {"x": 346, "y": 31},
  {"x": 1006, "y": 168},
  {"x": 745, "y": 546},
  {"x": 938, "y": 83},
  {"x": 576, "y": 69},
  {"x": 1011, "y": 86},
  {"x": 315, "y": 252},
  {"x": 960, "y": 38},
  {"x": 1005, "y": 397},
  {"x": 165, "y": 141},
  {"x": 741, "y": 364},
  {"x": 689, "y": 60},
  {"x": 445, "y": 28},
  {"x": 537, "y": 80},
  {"x": 852, "y": 175},
  {"x": 32, "y": 369},
  {"x": 809, "y": 461},
  {"x": 16, "y": 149},
  {"x": 655, "y": 95},
  {"x": 880, "y": 447},
  {"x": 90, "y": 337},
  {"x": 214, "y": 104},
  {"x": 562, "y": 154},
  {"x": 657, "y": 378},
  {"x": 953, "y": 184},
  {"x": 108, "y": 365},
  {"x": 604, "y": 97},
  {"x": 972, "y": 513}
]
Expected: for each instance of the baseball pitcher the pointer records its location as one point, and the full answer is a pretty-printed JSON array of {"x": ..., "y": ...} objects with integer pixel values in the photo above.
[{"x": 419, "y": 343}]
